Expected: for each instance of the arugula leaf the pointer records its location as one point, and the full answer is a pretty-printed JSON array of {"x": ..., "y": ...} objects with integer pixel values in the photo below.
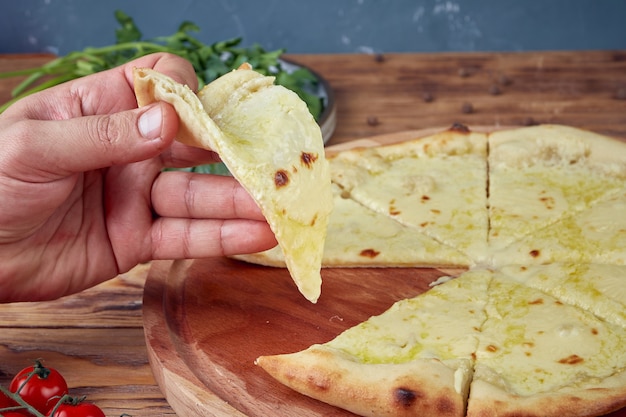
[{"x": 209, "y": 61}]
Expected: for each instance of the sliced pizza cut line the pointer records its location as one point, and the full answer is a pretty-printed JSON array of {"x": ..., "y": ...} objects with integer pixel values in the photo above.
[
  {"x": 416, "y": 358},
  {"x": 539, "y": 356},
  {"x": 359, "y": 237},
  {"x": 435, "y": 252},
  {"x": 597, "y": 288},
  {"x": 540, "y": 175},
  {"x": 596, "y": 235},
  {"x": 436, "y": 185},
  {"x": 493, "y": 346}
]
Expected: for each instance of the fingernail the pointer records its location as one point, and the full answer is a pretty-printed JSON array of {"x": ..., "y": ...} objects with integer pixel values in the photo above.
[{"x": 150, "y": 123}]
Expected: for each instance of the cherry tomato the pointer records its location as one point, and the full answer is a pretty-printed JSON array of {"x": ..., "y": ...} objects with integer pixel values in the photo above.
[
  {"x": 5, "y": 401},
  {"x": 39, "y": 386},
  {"x": 80, "y": 409}
]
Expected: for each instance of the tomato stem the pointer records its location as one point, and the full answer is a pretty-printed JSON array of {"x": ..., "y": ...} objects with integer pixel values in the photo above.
[
  {"x": 65, "y": 399},
  {"x": 22, "y": 405}
]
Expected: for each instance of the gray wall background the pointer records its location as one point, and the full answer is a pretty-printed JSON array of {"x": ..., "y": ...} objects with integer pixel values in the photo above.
[{"x": 326, "y": 26}]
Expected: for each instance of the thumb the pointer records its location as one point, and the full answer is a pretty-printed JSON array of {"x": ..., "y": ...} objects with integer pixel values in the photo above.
[{"x": 92, "y": 142}]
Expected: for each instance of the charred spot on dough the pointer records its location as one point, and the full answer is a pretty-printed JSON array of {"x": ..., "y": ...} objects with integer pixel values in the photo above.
[
  {"x": 425, "y": 198},
  {"x": 314, "y": 220},
  {"x": 534, "y": 253},
  {"x": 405, "y": 397},
  {"x": 548, "y": 202},
  {"x": 536, "y": 302},
  {"x": 307, "y": 159},
  {"x": 459, "y": 128},
  {"x": 571, "y": 360},
  {"x": 369, "y": 253},
  {"x": 318, "y": 384},
  {"x": 492, "y": 348},
  {"x": 281, "y": 178},
  {"x": 445, "y": 406}
]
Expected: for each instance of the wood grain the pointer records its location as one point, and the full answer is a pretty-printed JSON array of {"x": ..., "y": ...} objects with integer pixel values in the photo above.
[
  {"x": 379, "y": 94},
  {"x": 574, "y": 88},
  {"x": 95, "y": 339},
  {"x": 375, "y": 95}
]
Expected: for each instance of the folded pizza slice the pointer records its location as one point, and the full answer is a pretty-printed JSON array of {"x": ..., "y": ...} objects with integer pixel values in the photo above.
[
  {"x": 540, "y": 357},
  {"x": 595, "y": 235},
  {"x": 359, "y": 237},
  {"x": 435, "y": 185},
  {"x": 597, "y": 288},
  {"x": 539, "y": 175},
  {"x": 414, "y": 359},
  {"x": 271, "y": 144}
]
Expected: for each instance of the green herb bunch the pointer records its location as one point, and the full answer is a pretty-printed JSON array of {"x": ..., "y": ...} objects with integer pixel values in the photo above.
[{"x": 210, "y": 61}]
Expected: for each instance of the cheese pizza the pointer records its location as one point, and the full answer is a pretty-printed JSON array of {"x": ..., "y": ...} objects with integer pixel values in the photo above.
[{"x": 535, "y": 326}]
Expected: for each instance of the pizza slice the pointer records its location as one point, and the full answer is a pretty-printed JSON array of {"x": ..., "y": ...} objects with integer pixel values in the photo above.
[
  {"x": 597, "y": 288},
  {"x": 541, "y": 174},
  {"x": 359, "y": 237},
  {"x": 540, "y": 357},
  {"x": 595, "y": 235},
  {"x": 271, "y": 144},
  {"x": 414, "y": 359},
  {"x": 435, "y": 185}
]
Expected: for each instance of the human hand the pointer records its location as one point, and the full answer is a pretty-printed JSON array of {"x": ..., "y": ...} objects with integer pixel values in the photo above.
[{"x": 83, "y": 196}]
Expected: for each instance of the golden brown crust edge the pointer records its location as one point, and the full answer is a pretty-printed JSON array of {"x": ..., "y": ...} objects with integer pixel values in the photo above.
[
  {"x": 487, "y": 400},
  {"x": 422, "y": 387}
]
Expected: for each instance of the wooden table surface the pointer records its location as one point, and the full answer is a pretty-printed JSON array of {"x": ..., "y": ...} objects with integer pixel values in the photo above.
[{"x": 96, "y": 338}]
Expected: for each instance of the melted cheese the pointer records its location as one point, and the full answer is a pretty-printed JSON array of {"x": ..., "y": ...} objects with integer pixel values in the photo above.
[
  {"x": 524, "y": 200},
  {"x": 357, "y": 236},
  {"x": 442, "y": 323},
  {"x": 533, "y": 343},
  {"x": 598, "y": 288},
  {"x": 595, "y": 235},
  {"x": 441, "y": 196},
  {"x": 361, "y": 237}
]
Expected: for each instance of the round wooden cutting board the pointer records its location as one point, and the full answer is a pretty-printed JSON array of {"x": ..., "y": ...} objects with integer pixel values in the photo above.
[{"x": 206, "y": 321}]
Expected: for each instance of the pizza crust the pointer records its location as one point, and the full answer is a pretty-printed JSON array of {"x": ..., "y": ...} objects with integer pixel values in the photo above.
[
  {"x": 607, "y": 395},
  {"x": 419, "y": 387}
]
